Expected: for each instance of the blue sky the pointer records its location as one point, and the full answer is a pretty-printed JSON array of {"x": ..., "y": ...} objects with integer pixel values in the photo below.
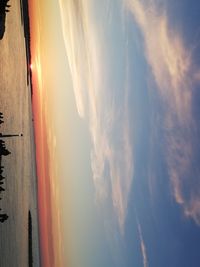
[
  {"x": 135, "y": 74},
  {"x": 131, "y": 87}
]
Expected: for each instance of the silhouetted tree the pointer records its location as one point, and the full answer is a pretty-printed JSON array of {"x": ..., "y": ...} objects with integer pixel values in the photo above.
[{"x": 3, "y": 217}]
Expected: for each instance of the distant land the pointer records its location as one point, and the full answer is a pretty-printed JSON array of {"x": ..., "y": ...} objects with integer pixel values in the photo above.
[
  {"x": 26, "y": 24},
  {"x": 4, "y": 9}
]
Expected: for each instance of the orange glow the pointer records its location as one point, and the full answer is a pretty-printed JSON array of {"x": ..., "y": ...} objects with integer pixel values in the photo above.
[{"x": 47, "y": 206}]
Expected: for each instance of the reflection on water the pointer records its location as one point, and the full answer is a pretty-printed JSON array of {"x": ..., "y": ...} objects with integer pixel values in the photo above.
[{"x": 20, "y": 185}]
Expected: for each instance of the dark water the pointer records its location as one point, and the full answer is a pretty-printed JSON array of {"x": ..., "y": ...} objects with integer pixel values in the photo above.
[{"x": 20, "y": 171}]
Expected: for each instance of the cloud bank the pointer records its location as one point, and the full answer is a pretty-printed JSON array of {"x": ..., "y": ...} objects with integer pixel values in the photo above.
[
  {"x": 99, "y": 82},
  {"x": 176, "y": 77},
  {"x": 95, "y": 42}
]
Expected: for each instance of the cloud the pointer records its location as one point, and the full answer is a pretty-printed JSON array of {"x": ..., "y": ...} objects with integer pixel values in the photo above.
[
  {"x": 100, "y": 87},
  {"x": 175, "y": 76},
  {"x": 142, "y": 245},
  {"x": 96, "y": 48},
  {"x": 170, "y": 61}
]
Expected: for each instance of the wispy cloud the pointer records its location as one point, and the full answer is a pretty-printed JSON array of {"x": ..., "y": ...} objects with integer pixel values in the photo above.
[
  {"x": 170, "y": 60},
  {"x": 142, "y": 245},
  {"x": 99, "y": 83},
  {"x": 99, "y": 68},
  {"x": 175, "y": 76}
]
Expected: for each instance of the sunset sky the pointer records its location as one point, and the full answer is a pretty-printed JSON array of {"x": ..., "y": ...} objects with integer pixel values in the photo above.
[{"x": 116, "y": 112}]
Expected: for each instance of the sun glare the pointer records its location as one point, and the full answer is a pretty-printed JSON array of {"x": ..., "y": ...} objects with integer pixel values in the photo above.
[{"x": 38, "y": 71}]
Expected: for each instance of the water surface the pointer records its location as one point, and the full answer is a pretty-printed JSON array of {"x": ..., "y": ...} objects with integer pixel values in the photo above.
[{"x": 20, "y": 170}]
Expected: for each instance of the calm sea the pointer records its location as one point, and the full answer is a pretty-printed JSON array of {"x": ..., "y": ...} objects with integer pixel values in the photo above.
[{"x": 20, "y": 170}]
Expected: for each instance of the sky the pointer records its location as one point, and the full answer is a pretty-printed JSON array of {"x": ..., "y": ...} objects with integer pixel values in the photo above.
[{"x": 116, "y": 112}]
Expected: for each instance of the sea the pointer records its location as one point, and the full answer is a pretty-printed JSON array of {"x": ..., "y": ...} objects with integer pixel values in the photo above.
[{"x": 20, "y": 184}]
